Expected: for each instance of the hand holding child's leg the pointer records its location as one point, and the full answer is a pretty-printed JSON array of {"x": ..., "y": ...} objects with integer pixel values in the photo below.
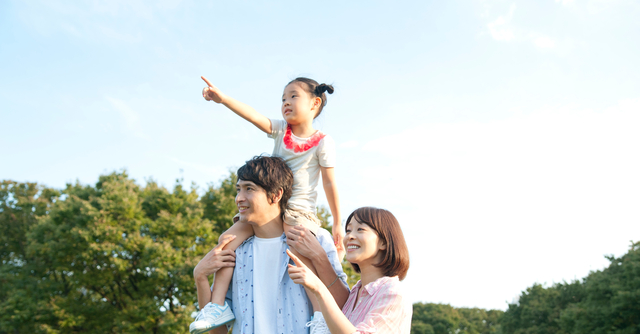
[
  {"x": 223, "y": 277},
  {"x": 217, "y": 312}
]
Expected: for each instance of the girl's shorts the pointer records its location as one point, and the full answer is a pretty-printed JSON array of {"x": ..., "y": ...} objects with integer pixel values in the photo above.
[{"x": 304, "y": 218}]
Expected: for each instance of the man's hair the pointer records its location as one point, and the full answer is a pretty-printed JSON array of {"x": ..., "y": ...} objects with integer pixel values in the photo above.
[
  {"x": 395, "y": 258},
  {"x": 271, "y": 174}
]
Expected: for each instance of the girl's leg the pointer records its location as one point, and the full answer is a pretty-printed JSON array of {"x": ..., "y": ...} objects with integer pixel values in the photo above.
[
  {"x": 309, "y": 264},
  {"x": 223, "y": 277}
]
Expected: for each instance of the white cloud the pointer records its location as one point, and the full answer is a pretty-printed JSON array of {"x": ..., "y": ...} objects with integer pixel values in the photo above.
[
  {"x": 117, "y": 21},
  {"x": 349, "y": 144},
  {"x": 503, "y": 29},
  {"x": 566, "y": 2},
  {"x": 500, "y": 29},
  {"x": 130, "y": 117},
  {"x": 543, "y": 42},
  {"x": 212, "y": 172},
  {"x": 530, "y": 192}
]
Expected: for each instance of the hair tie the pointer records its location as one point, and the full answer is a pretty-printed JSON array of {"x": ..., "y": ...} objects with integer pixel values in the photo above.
[{"x": 324, "y": 88}]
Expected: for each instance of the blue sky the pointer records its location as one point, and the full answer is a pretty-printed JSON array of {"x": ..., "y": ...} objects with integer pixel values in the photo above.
[{"x": 502, "y": 134}]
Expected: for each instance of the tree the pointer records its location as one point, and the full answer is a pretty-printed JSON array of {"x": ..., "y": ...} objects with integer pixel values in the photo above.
[
  {"x": 22, "y": 205},
  {"x": 219, "y": 203},
  {"x": 605, "y": 301},
  {"x": 611, "y": 302},
  {"x": 114, "y": 258},
  {"x": 538, "y": 309},
  {"x": 444, "y": 319}
]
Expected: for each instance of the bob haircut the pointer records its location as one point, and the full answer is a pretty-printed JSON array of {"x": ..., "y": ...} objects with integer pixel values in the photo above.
[
  {"x": 395, "y": 258},
  {"x": 271, "y": 174}
]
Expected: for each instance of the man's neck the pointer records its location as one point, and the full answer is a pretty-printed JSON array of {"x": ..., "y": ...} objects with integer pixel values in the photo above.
[{"x": 272, "y": 229}]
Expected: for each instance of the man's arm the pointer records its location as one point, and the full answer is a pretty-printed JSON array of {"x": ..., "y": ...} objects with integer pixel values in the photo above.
[
  {"x": 307, "y": 245},
  {"x": 212, "y": 262}
]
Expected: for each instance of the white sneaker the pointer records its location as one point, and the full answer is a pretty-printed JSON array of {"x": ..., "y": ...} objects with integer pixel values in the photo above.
[
  {"x": 318, "y": 325},
  {"x": 210, "y": 317}
]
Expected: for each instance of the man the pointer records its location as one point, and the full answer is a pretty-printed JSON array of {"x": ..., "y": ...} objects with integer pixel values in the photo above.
[{"x": 261, "y": 295}]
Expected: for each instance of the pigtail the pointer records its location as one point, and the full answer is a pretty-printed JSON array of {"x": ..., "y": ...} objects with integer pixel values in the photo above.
[{"x": 323, "y": 88}]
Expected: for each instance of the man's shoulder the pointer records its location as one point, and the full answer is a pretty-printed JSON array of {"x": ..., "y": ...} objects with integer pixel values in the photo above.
[
  {"x": 246, "y": 243},
  {"x": 325, "y": 239}
]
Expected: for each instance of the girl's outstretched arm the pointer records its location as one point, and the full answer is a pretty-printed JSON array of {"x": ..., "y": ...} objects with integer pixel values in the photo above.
[
  {"x": 331, "y": 190},
  {"x": 212, "y": 93}
]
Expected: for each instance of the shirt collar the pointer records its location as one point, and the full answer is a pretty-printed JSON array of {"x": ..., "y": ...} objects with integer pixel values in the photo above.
[{"x": 374, "y": 286}]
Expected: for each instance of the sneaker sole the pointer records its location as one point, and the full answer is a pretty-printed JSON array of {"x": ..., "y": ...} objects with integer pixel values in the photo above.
[{"x": 208, "y": 328}]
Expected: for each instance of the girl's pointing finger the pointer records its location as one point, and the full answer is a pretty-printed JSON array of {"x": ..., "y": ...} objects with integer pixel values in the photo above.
[{"x": 207, "y": 81}]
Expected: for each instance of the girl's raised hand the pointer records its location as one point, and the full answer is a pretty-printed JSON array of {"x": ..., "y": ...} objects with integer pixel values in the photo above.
[
  {"x": 300, "y": 274},
  {"x": 212, "y": 93}
]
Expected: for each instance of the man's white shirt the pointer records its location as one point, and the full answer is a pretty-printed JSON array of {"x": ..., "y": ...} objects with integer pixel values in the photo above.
[{"x": 266, "y": 278}]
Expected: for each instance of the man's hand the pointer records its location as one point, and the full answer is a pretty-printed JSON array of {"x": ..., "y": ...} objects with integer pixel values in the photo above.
[
  {"x": 216, "y": 258},
  {"x": 212, "y": 93}
]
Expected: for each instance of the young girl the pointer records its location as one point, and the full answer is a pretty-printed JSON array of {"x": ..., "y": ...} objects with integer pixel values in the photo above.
[{"x": 308, "y": 152}]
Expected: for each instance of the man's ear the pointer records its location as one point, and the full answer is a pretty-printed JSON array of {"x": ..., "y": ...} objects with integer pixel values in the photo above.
[{"x": 277, "y": 196}]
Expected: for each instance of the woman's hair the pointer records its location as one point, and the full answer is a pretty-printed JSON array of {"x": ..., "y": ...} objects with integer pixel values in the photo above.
[
  {"x": 395, "y": 258},
  {"x": 315, "y": 89},
  {"x": 271, "y": 174}
]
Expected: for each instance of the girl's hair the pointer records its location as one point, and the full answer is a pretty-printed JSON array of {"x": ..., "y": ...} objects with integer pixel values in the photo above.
[
  {"x": 395, "y": 258},
  {"x": 315, "y": 89}
]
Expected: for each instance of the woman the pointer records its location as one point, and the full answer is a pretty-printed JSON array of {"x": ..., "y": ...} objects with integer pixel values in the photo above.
[{"x": 376, "y": 249}]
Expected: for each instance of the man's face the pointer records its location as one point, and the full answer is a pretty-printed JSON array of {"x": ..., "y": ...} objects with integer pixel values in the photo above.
[{"x": 253, "y": 204}]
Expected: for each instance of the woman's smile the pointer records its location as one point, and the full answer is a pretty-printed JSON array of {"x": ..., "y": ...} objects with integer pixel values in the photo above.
[{"x": 362, "y": 243}]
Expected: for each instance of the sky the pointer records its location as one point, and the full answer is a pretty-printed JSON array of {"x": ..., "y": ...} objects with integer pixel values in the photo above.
[{"x": 502, "y": 134}]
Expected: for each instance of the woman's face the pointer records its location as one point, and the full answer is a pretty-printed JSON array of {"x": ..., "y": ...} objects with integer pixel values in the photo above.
[{"x": 362, "y": 244}]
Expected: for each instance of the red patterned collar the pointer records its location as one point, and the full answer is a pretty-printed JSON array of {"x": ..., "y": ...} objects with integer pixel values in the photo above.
[{"x": 309, "y": 142}]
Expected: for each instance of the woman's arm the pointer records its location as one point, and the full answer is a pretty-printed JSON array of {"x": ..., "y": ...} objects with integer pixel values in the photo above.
[
  {"x": 331, "y": 190},
  {"x": 212, "y": 93},
  {"x": 336, "y": 320},
  {"x": 308, "y": 245}
]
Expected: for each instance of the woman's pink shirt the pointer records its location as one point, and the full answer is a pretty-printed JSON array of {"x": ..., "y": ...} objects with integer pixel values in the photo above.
[{"x": 380, "y": 309}]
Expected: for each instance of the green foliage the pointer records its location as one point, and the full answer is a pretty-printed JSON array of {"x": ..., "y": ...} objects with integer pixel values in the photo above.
[
  {"x": 114, "y": 258},
  {"x": 444, "y": 319},
  {"x": 219, "y": 203},
  {"x": 22, "y": 205},
  {"x": 604, "y": 302}
]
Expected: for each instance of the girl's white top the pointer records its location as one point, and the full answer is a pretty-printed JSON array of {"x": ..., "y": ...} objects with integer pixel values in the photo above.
[{"x": 305, "y": 164}]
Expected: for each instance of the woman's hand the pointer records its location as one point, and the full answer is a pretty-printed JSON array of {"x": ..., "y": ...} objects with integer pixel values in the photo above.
[
  {"x": 212, "y": 93},
  {"x": 216, "y": 259},
  {"x": 300, "y": 274},
  {"x": 304, "y": 242}
]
